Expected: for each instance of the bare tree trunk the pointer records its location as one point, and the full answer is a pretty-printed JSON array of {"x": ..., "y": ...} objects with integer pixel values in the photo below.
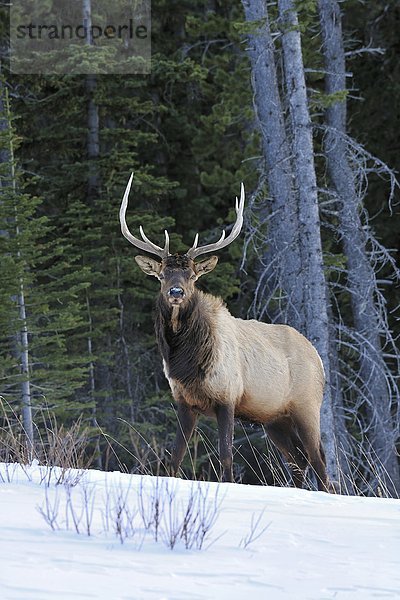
[
  {"x": 361, "y": 276},
  {"x": 92, "y": 382},
  {"x": 93, "y": 186},
  {"x": 343, "y": 440},
  {"x": 93, "y": 145},
  {"x": 23, "y": 339},
  {"x": 25, "y": 386},
  {"x": 315, "y": 295},
  {"x": 281, "y": 265}
]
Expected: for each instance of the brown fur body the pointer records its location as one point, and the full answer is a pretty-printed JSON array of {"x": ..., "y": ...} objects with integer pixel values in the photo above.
[
  {"x": 263, "y": 370},
  {"x": 268, "y": 374}
]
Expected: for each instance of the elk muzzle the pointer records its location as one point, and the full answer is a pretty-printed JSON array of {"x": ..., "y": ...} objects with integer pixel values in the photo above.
[{"x": 176, "y": 295}]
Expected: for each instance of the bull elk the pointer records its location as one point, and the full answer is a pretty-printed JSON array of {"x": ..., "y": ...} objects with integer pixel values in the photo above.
[{"x": 225, "y": 367}]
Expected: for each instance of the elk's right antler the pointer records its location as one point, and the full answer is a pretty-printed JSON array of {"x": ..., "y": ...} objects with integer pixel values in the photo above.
[
  {"x": 194, "y": 251},
  {"x": 145, "y": 245}
]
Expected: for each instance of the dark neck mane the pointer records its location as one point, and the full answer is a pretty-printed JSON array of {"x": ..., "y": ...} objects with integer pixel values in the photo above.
[{"x": 188, "y": 351}]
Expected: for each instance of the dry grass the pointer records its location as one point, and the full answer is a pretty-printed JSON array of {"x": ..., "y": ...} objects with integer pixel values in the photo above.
[{"x": 56, "y": 446}]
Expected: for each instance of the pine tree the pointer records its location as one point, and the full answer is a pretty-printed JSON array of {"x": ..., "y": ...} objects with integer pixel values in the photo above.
[{"x": 40, "y": 310}]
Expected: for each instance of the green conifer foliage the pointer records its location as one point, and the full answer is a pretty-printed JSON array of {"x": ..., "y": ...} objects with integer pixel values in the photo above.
[{"x": 39, "y": 281}]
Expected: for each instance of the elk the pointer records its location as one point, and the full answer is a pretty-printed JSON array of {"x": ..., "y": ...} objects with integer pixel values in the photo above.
[{"x": 228, "y": 368}]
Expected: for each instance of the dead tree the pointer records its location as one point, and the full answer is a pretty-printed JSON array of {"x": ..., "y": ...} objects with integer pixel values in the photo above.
[
  {"x": 293, "y": 239},
  {"x": 370, "y": 327},
  {"x": 315, "y": 292},
  {"x": 280, "y": 274}
]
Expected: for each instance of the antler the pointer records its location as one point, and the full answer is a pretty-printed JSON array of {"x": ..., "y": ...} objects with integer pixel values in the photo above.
[
  {"x": 222, "y": 242},
  {"x": 194, "y": 251},
  {"x": 146, "y": 245}
]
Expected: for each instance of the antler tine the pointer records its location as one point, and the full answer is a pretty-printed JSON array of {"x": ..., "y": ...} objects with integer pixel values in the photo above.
[
  {"x": 145, "y": 245},
  {"x": 166, "y": 247},
  {"x": 157, "y": 249},
  {"x": 194, "y": 251},
  {"x": 196, "y": 241}
]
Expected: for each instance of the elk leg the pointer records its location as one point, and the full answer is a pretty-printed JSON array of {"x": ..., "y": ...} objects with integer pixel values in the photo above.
[
  {"x": 318, "y": 463},
  {"x": 285, "y": 438},
  {"x": 186, "y": 422},
  {"x": 319, "y": 466},
  {"x": 309, "y": 433},
  {"x": 225, "y": 419}
]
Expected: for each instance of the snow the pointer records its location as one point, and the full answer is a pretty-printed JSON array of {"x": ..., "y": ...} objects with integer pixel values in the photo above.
[{"x": 312, "y": 545}]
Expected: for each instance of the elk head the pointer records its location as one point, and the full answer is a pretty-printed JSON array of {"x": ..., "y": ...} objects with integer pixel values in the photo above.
[{"x": 178, "y": 273}]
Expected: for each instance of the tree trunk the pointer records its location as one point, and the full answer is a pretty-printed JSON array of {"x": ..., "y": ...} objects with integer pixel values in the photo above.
[
  {"x": 361, "y": 276},
  {"x": 343, "y": 440},
  {"x": 97, "y": 455},
  {"x": 93, "y": 186},
  {"x": 25, "y": 386},
  {"x": 282, "y": 257},
  {"x": 93, "y": 145},
  {"x": 315, "y": 296},
  {"x": 23, "y": 339}
]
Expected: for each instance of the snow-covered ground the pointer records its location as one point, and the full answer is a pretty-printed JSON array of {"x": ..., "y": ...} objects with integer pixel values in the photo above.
[{"x": 312, "y": 545}]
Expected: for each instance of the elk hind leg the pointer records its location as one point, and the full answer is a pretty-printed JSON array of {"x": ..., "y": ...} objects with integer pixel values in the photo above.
[
  {"x": 283, "y": 434},
  {"x": 309, "y": 433}
]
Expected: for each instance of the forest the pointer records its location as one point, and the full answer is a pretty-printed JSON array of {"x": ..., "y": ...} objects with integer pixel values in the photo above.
[{"x": 299, "y": 100}]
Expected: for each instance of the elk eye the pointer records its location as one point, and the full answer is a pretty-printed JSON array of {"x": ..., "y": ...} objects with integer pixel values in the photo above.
[
  {"x": 161, "y": 277},
  {"x": 193, "y": 277}
]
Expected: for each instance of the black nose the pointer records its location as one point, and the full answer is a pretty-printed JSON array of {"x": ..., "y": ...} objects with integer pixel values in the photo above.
[{"x": 176, "y": 292}]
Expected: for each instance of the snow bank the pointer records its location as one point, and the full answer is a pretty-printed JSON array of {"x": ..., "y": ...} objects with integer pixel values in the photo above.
[{"x": 312, "y": 545}]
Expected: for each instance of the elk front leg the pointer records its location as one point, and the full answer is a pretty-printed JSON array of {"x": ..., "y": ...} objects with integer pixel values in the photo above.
[
  {"x": 186, "y": 423},
  {"x": 225, "y": 419}
]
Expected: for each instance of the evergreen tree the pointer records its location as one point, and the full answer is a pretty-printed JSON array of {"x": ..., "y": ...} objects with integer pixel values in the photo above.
[{"x": 39, "y": 309}]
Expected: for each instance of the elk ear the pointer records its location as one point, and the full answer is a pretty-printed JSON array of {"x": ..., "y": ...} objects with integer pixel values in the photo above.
[
  {"x": 148, "y": 265},
  {"x": 206, "y": 265}
]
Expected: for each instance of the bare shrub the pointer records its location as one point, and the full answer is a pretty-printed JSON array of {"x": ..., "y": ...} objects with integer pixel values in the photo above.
[
  {"x": 14, "y": 450},
  {"x": 255, "y": 531},
  {"x": 170, "y": 518},
  {"x": 73, "y": 512},
  {"x": 64, "y": 450},
  {"x": 157, "y": 509},
  {"x": 50, "y": 509},
  {"x": 119, "y": 513}
]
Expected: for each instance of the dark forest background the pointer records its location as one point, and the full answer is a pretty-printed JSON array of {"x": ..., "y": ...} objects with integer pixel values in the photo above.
[{"x": 76, "y": 328}]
